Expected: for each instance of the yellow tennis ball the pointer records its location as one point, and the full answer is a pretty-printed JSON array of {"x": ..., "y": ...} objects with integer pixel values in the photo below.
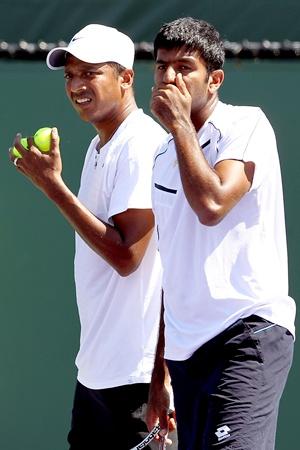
[
  {"x": 42, "y": 139},
  {"x": 15, "y": 151}
]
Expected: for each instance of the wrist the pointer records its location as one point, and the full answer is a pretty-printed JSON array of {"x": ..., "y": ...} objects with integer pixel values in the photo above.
[
  {"x": 159, "y": 372},
  {"x": 56, "y": 190},
  {"x": 183, "y": 126}
]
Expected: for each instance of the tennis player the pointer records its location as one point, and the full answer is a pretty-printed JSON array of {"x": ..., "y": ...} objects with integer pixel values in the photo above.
[
  {"x": 218, "y": 204},
  {"x": 117, "y": 267}
]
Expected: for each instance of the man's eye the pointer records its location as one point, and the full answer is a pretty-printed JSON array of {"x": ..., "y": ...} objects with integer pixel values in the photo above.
[
  {"x": 90, "y": 73},
  {"x": 67, "y": 76}
]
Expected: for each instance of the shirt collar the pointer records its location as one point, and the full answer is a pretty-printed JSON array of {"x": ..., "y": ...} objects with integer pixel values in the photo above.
[{"x": 216, "y": 119}]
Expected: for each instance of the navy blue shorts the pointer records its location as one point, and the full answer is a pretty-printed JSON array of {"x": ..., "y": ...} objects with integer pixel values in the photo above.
[
  {"x": 108, "y": 419},
  {"x": 227, "y": 393}
]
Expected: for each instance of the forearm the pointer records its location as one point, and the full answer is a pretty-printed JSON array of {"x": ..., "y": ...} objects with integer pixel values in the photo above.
[
  {"x": 103, "y": 238},
  {"x": 160, "y": 374},
  {"x": 201, "y": 183},
  {"x": 159, "y": 394}
]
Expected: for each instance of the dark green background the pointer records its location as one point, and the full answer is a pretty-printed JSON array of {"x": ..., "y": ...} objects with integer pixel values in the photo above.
[
  {"x": 33, "y": 20},
  {"x": 39, "y": 329}
]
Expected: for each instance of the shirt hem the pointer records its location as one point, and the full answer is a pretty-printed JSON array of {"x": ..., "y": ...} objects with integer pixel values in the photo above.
[
  {"x": 186, "y": 354},
  {"x": 113, "y": 383}
]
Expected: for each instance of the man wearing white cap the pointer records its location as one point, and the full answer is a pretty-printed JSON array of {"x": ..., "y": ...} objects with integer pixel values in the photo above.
[{"x": 117, "y": 268}]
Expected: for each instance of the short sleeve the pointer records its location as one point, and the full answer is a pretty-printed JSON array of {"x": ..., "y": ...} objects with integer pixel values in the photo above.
[
  {"x": 251, "y": 138},
  {"x": 132, "y": 184}
]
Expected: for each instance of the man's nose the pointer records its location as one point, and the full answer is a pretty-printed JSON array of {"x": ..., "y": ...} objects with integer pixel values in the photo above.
[
  {"x": 77, "y": 85},
  {"x": 169, "y": 75}
]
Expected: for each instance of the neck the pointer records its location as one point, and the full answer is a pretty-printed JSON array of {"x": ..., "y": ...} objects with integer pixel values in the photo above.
[
  {"x": 107, "y": 128},
  {"x": 200, "y": 117}
]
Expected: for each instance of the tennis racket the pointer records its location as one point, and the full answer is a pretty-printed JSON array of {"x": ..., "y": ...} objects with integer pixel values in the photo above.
[{"x": 154, "y": 432}]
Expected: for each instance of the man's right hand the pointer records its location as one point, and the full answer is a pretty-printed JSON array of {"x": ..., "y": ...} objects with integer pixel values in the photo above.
[
  {"x": 43, "y": 169},
  {"x": 160, "y": 392},
  {"x": 158, "y": 410}
]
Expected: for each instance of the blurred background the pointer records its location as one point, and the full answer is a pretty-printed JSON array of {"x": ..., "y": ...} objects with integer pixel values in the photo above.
[{"x": 39, "y": 328}]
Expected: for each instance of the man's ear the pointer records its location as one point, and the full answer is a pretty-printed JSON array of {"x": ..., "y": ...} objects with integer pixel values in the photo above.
[
  {"x": 127, "y": 77},
  {"x": 216, "y": 78}
]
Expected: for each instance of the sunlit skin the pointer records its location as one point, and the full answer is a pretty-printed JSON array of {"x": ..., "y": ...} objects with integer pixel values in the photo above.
[
  {"x": 182, "y": 77},
  {"x": 99, "y": 94}
]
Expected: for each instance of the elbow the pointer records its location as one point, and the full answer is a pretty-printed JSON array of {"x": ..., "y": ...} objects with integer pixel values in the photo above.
[
  {"x": 124, "y": 271},
  {"x": 210, "y": 216},
  {"x": 209, "y": 220},
  {"x": 127, "y": 266},
  {"x": 208, "y": 211}
]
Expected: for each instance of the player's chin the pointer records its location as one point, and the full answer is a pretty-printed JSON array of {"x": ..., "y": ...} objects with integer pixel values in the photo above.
[{"x": 85, "y": 114}]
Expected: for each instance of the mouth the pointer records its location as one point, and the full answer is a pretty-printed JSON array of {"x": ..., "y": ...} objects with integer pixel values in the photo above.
[{"x": 82, "y": 101}]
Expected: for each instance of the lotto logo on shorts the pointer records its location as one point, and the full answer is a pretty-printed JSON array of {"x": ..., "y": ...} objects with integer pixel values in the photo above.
[{"x": 222, "y": 433}]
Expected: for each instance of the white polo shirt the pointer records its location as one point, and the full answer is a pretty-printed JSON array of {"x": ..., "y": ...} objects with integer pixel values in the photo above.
[
  {"x": 118, "y": 315},
  {"x": 214, "y": 275}
]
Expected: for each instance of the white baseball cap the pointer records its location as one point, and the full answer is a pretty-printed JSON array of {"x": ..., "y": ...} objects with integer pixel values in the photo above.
[{"x": 95, "y": 44}]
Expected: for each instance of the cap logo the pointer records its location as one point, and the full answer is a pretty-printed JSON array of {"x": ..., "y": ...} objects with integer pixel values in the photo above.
[{"x": 75, "y": 38}]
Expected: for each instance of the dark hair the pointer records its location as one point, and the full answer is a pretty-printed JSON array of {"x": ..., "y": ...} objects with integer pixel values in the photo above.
[{"x": 196, "y": 36}]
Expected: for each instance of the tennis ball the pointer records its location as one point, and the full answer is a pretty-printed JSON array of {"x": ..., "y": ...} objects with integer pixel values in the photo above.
[
  {"x": 15, "y": 151},
  {"x": 42, "y": 139}
]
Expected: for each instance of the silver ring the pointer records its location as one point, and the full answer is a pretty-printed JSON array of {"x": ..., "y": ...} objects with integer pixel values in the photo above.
[{"x": 16, "y": 161}]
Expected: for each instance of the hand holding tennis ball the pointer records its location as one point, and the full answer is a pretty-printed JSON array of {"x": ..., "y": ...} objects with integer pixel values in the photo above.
[{"x": 42, "y": 140}]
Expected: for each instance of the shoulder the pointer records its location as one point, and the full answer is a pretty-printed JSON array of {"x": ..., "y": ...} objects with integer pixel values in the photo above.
[
  {"x": 232, "y": 119},
  {"x": 146, "y": 127},
  {"x": 142, "y": 135},
  {"x": 138, "y": 117}
]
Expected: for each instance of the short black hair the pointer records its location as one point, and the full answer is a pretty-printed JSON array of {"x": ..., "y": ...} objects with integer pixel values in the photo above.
[{"x": 196, "y": 36}]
